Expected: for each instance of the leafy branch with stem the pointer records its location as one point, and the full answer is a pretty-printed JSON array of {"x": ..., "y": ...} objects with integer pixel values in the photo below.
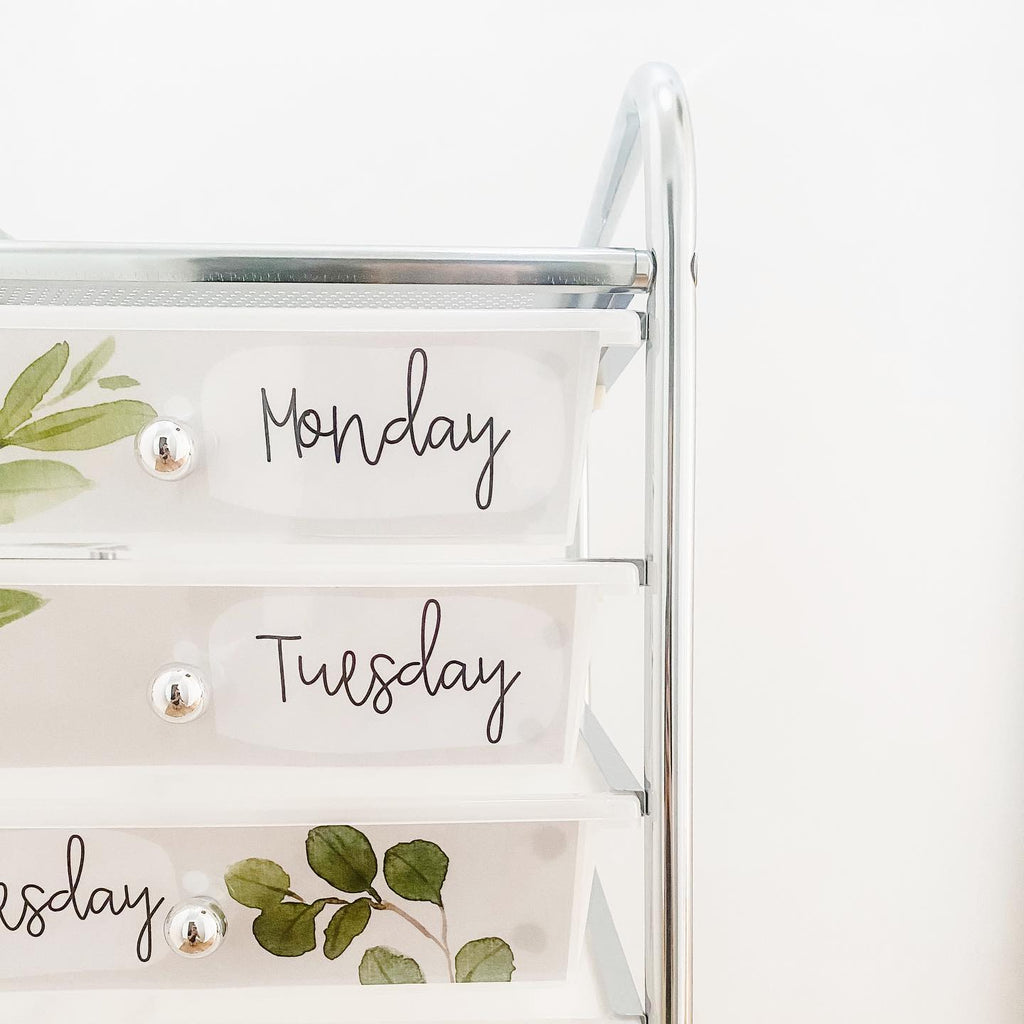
[
  {"x": 344, "y": 857},
  {"x": 31, "y": 486}
]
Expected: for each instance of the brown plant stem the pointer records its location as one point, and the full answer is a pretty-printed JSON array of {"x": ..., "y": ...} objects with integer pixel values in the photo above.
[
  {"x": 444, "y": 941},
  {"x": 332, "y": 900},
  {"x": 424, "y": 931}
]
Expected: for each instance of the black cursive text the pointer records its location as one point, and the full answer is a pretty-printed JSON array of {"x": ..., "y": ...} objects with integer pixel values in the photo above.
[
  {"x": 307, "y": 427},
  {"x": 35, "y": 904},
  {"x": 385, "y": 673}
]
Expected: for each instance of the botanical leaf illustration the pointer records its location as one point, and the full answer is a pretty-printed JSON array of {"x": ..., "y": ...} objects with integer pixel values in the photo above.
[
  {"x": 118, "y": 381},
  {"x": 84, "y": 371},
  {"x": 28, "y": 486},
  {"x": 288, "y": 929},
  {"x": 258, "y": 883},
  {"x": 81, "y": 429},
  {"x": 348, "y": 922},
  {"x": 343, "y": 856},
  {"x": 416, "y": 870},
  {"x": 383, "y": 966},
  {"x": 16, "y": 604},
  {"x": 32, "y": 384},
  {"x": 484, "y": 960}
]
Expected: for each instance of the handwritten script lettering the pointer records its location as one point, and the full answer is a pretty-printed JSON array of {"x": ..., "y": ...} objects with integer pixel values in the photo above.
[
  {"x": 31, "y": 906},
  {"x": 307, "y": 427},
  {"x": 385, "y": 673}
]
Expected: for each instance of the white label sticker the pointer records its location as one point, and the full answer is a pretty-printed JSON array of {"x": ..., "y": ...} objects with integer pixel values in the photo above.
[
  {"x": 395, "y": 672},
  {"x": 81, "y": 901},
  {"x": 387, "y": 431}
]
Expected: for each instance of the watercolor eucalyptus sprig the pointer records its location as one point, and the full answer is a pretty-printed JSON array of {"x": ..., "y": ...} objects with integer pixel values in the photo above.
[
  {"x": 30, "y": 486},
  {"x": 344, "y": 857}
]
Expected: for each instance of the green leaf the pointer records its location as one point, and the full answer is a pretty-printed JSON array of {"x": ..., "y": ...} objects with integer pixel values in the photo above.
[
  {"x": 288, "y": 929},
  {"x": 16, "y": 604},
  {"x": 485, "y": 960},
  {"x": 32, "y": 384},
  {"x": 28, "y": 486},
  {"x": 87, "y": 368},
  {"x": 80, "y": 429},
  {"x": 348, "y": 922},
  {"x": 118, "y": 381},
  {"x": 416, "y": 870},
  {"x": 383, "y": 966},
  {"x": 343, "y": 856},
  {"x": 258, "y": 883}
]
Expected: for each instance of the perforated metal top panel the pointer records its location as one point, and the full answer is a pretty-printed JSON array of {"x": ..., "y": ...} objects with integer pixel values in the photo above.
[{"x": 73, "y": 293}]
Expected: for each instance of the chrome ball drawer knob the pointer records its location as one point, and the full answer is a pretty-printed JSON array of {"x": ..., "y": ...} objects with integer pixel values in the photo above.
[
  {"x": 195, "y": 927},
  {"x": 179, "y": 693},
  {"x": 166, "y": 449}
]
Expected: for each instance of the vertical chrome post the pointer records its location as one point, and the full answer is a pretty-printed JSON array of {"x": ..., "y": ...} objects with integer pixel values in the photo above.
[{"x": 653, "y": 130}]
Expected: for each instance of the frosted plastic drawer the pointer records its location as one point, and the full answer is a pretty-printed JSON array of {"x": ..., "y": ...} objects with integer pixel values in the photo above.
[
  {"x": 98, "y": 909},
  {"x": 303, "y": 425},
  {"x": 299, "y": 666}
]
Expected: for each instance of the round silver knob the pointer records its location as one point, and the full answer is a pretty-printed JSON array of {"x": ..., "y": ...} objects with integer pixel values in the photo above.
[
  {"x": 166, "y": 449},
  {"x": 179, "y": 693},
  {"x": 195, "y": 927}
]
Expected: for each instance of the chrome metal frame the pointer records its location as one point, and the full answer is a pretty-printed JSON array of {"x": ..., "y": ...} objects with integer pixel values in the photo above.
[
  {"x": 653, "y": 129},
  {"x": 569, "y": 270}
]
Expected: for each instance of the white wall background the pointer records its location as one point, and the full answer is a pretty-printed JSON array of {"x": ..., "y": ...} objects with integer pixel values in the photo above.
[{"x": 860, "y": 641}]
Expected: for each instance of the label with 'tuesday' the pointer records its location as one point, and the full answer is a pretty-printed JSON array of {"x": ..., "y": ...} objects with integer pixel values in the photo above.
[{"x": 412, "y": 673}]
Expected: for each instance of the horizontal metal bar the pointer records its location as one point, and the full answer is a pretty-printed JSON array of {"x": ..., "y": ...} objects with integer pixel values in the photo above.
[{"x": 570, "y": 270}]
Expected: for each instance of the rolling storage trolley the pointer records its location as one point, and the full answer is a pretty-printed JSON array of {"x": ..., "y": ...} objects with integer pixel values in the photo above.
[{"x": 296, "y": 615}]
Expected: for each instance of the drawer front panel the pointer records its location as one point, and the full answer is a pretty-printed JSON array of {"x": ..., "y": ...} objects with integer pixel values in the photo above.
[
  {"x": 385, "y": 675},
  {"x": 88, "y": 909},
  {"x": 302, "y": 434}
]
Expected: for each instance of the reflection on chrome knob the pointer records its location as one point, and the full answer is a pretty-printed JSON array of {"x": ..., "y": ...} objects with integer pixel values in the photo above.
[
  {"x": 166, "y": 449},
  {"x": 178, "y": 693},
  {"x": 195, "y": 927}
]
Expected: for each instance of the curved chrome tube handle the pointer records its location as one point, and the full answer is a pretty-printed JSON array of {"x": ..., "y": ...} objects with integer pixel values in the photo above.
[{"x": 653, "y": 130}]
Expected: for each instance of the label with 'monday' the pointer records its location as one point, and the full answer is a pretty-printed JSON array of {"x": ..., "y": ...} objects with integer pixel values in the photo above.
[{"x": 392, "y": 432}]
